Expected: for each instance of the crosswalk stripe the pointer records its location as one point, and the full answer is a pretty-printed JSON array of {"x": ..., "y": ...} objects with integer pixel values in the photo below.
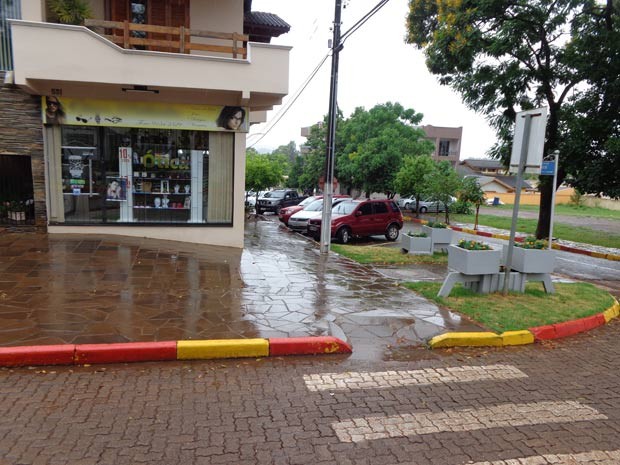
[
  {"x": 467, "y": 419},
  {"x": 427, "y": 376},
  {"x": 594, "y": 457}
]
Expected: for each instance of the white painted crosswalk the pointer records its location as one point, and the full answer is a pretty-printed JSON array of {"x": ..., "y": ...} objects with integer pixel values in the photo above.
[
  {"x": 466, "y": 419},
  {"x": 394, "y": 379}
]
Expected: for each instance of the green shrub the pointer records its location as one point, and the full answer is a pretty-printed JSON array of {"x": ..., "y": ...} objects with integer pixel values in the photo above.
[
  {"x": 473, "y": 245},
  {"x": 415, "y": 234},
  {"x": 462, "y": 208},
  {"x": 532, "y": 243},
  {"x": 436, "y": 224}
]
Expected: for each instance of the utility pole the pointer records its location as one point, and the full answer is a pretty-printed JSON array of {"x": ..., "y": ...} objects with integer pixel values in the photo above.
[{"x": 328, "y": 187}]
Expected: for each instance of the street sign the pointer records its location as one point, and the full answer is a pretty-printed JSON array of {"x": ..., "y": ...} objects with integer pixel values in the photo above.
[
  {"x": 538, "y": 125},
  {"x": 548, "y": 168}
]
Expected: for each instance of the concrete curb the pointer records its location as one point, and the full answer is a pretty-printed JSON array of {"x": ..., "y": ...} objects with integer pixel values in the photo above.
[
  {"x": 529, "y": 336},
  {"x": 80, "y": 354},
  {"x": 565, "y": 248}
]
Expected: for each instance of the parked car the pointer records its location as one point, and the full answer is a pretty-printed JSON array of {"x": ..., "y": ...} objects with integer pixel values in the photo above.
[
  {"x": 250, "y": 198},
  {"x": 406, "y": 203},
  {"x": 274, "y": 201},
  {"x": 360, "y": 218},
  {"x": 432, "y": 206},
  {"x": 299, "y": 220},
  {"x": 285, "y": 213},
  {"x": 494, "y": 201}
]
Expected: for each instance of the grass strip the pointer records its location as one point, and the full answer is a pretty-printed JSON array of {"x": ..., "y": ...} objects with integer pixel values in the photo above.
[
  {"x": 517, "y": 311},
  {"x": 387, "y": 255},
  {"x": 560, "y": 230},
  {"x": 570, "y": 210}
]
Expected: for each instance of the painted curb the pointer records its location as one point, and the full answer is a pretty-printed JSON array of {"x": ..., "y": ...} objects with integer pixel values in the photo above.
[
  {"x": 80, "y": 354},
  {"x": 529, "y": 336},
  {"x": 307, "y": 346},
  {"x": 223, "y": 348},
  {"x": 564, "y": 248}
]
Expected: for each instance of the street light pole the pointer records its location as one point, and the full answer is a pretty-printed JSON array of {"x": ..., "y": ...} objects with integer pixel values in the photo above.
[{"x": 328, "y": 187}]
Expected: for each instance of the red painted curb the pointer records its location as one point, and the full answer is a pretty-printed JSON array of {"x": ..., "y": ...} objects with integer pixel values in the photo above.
[
  {"x": 126, "y": 352},
  {"x": 37, "y": 355},
  {"x": 308, "y": 346},
  {"x": 567, "y": 328}
]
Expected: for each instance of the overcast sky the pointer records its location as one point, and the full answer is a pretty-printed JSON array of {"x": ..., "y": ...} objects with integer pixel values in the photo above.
[{"x": 376, "y": 66}]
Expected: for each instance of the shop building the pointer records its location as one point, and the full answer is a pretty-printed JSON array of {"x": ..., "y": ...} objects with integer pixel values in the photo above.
[{"x": 144, "y": 114}]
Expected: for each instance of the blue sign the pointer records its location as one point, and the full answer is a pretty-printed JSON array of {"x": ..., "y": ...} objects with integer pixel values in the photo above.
[{"x": 548, "y": 168}]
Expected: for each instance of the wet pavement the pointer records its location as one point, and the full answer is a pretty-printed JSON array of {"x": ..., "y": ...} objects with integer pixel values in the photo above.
[{"x": 58, "y": 289}]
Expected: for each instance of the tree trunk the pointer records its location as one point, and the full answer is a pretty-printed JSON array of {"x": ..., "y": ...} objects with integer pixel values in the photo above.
[{"x": 476, "y": 220}]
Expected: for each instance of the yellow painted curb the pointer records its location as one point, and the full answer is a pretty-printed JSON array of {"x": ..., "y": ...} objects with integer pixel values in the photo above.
[
  {"x": 222, "y": 348},
  {"x": 465, "y": 340},
  {"x": 598, "y": 255},
  {"x": 613, "y": 257},
  {"x": 612, "y": 312},
  {"x": 517, "y": 338}
]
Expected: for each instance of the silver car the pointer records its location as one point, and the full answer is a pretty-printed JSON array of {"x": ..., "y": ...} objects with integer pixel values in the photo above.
[{"x": 433, "y": 206}]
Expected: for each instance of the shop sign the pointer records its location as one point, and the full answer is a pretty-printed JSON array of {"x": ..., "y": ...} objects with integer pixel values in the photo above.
[{"x": 147, "y": 115}]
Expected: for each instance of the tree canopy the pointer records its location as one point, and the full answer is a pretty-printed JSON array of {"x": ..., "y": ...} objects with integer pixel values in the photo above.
[
  {"x": 504, "y": 56},
  {"x": 261, "y": 173}
]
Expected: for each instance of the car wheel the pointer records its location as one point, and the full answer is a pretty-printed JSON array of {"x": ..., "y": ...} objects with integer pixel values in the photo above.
[
  {"x": 391, "y": 234},
  {"x": 423, "y": 209},
  {"x": 407, "y": 206},
  {"x": 344, "y": 235},
  {"x": 278, "y": 208}
]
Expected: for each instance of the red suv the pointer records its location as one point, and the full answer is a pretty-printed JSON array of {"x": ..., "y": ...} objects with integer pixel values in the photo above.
[{"x": 360, "y": 218}]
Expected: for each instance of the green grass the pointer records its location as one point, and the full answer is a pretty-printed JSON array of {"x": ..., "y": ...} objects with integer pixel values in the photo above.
[
  {"x": 571, "y": 210},
  {"x": 381, "y": 255},
  {"x": 521, "y": 311},
  {"x": 560, "y": 230}
]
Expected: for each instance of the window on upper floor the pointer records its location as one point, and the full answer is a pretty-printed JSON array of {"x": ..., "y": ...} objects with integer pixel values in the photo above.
[
  {"x": 444, "y": 148},
  {"x": 9, "y": 9}
]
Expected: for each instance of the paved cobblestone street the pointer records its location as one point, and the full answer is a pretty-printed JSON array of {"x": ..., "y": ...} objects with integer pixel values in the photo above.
[{"x": 541, "y": 404}]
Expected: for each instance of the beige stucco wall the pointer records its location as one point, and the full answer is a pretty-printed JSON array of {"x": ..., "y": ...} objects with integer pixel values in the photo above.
[{"x": 33, "y": 10}]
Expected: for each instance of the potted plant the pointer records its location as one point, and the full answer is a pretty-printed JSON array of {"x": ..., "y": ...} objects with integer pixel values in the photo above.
[
  {"x": 531, "y": 256},
  {"x": 474, "y": 257},
  {"x": 438, "y": 232},
  {"x": 17, "y": 211},
  {"x": 416, "y": 243}
]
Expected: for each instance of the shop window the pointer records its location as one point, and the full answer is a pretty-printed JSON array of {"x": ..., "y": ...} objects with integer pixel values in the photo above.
[{"x": 128, "y": 175}]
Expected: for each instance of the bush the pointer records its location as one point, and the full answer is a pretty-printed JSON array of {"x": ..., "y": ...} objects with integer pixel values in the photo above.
[
  {"x": 436, "y": 224},
  {"x": 532, "y": 243},
  {"x": 462, "y": 208},
  {"x": 473, "y": 245},
  {"x": 419, "y": 234}
]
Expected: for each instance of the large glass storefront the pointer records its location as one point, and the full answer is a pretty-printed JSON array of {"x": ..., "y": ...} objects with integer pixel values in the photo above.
[{"x": 114, "y": 175}]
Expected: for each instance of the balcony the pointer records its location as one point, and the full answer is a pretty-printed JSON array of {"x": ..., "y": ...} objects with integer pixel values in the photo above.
[{"x": 184, "y": 65}]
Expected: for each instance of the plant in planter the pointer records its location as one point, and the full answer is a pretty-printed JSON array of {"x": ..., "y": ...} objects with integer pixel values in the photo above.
[
  {"x": 438, "y": 232},
  {"x": 531, "y": 256},
  {"x": 17, "y": 211},
  {"x": 474, "y": 257},
  {"x": 416, "y": 243}
]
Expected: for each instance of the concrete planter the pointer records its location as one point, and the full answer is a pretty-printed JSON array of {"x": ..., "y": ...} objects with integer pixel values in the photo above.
[
  {"x": 438, "y": 235},
  {"x": 416, "y": 245},
  {"x": 531, "y": 260},
  {"x": 474, "y": 261}
]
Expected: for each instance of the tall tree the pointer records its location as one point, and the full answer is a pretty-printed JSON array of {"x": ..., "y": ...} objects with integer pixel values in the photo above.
[
  {"x": 261, "y": 173},
  {"x": 412, "y": 178},
  {"x": 374, "y": 143},
  {"x": 503, "y": 56},
  {"x": 472, "y": 192},
  {"x": 442, "y": 184}
]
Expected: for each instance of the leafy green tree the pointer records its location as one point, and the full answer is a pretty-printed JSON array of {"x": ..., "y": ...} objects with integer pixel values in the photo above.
[
  {"x": 442, "y": 184},
  {"x": 261, "y": 173},
  {"x": 411, "y": 179},
  {"x": 373, "y": 144},
  {"x": 504, "y": 55},
  {"x": 289, "y": 151},
  {"x": 473, "y": 193}
]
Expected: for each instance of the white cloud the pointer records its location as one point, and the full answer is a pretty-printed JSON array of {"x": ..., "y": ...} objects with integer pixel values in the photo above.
[{"x": 376, "y": 66}]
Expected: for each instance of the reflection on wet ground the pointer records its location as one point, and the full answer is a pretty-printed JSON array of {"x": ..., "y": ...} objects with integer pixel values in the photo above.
[{"x": 65, "y": 289}]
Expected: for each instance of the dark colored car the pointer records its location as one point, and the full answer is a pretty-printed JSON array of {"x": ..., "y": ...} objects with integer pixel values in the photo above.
[
  {"x": 276, "y": 200},
  {"x": 361, "y": 218}
]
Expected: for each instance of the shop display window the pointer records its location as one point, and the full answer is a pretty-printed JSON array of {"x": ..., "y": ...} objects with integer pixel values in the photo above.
[{"x": 128, "y": 175}]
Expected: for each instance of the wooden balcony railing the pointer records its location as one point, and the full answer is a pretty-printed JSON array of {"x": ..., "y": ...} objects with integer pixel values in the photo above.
[{"x": 168, "y": 39}]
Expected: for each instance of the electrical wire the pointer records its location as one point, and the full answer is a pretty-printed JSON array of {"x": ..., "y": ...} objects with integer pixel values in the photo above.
[
  {"x": 362, "y": 20},
  {"x": 290, "y": 102}
]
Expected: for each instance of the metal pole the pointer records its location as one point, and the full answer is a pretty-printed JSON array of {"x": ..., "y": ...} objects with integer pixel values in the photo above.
[
  {"x": 515, "y": 208},
  {"x": 326, "y": 218},
  {"x": 553, "y": 188}
]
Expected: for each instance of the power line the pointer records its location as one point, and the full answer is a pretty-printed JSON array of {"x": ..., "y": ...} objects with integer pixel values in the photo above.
[
  {"x": 362, "y": 20},
  {"x": 289, "y": 103}
]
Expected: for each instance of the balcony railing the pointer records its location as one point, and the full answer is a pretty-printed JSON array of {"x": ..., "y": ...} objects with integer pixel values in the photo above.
[{"x": 175, "y": 39}]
